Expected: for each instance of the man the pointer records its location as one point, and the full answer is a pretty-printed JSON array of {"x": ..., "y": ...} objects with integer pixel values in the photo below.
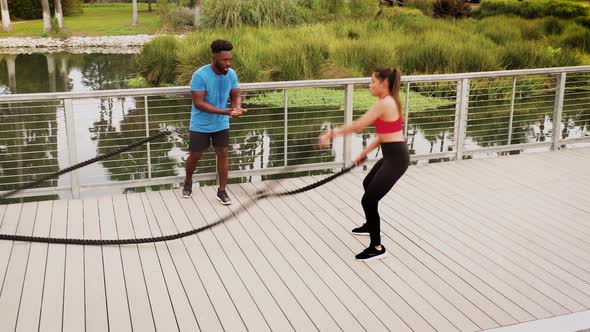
[{"x": 211, "y": 86}]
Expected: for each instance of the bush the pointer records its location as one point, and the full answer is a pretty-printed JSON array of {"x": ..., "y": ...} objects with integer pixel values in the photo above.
[
  {"x": 423, "y": 5},
  {"x": 157, "y": 61},
  {"x": 231, "y": 13},
  {"x": 175, "y": 18},
  {"x": 533, "y": 8},
  {"x": 575, "y": 36},
  {"x": 499, "y": 29},
  {"x": 450, "y": 8},
  {"x": 363, "y": 8},
  {"x": 584, "y": 21},
  {"x": 72, "y": 7}
]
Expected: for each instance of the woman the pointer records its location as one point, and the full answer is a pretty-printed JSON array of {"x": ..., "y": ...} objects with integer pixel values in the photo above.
[{"x": 386, "y": 116}]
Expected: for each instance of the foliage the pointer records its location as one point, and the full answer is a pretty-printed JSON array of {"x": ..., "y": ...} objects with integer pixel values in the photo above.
[
  {"x": 451, "y": 8},
  {"x": 533, "y": 8},
  {"x": 174, "y": 18},
  {"x": 158, "y": 59},
  {"x": 231, "y": 13}
]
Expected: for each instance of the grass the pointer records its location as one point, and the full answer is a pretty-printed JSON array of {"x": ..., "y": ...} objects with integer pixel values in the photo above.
[{"x": 97, "y": 20}]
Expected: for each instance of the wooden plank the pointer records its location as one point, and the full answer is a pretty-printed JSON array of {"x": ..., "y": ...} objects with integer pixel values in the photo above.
[
  {"x": 30, "y": 306},
  {"x": 407, "y": 219},
  {"x": 451, "y": 302},
  {"x": 457, "y": 238},
  {"x": 173, "y": 261},
  {"x": 137, "y": 295},
  {"x": 12, "y": 285},
  {"x": 371, "y": 311},
  {"x": 485, "y": 257},
  {"x": 395, "y": 279},
  {"x": 162, "y": 309},
  {"x": 74, "y": 312},
  {"x": 289, "y": 205},
  {"x": 9, "y": 225},
  {"x": 116, "y": 290},
  {"x": 479, "y": 293},
  {"x": 94, "y": 284},
  {"x": 511, "y": 249},
  {"x": 285, "y": 300},
  {"x": 531, "y": 234},
  {"x": 186, "y": 216},
  {"x": 286, "y": 265},
  {"x": 53, "y": 285}
]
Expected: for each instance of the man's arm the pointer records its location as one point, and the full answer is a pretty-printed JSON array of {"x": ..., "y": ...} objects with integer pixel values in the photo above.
[
  {"x": 202, "y": 105},
  {"x": 236, "y": 98}
]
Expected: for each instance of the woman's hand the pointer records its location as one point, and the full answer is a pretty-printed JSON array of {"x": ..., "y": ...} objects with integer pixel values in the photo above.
[
  {"x": 326, "y": 139},
  {"x": 360, "y": 159}
]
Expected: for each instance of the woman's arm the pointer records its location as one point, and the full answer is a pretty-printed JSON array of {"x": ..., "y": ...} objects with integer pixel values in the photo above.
[
  {"x": 372, "y": 146},
  {"x": 359, "y": 124}
]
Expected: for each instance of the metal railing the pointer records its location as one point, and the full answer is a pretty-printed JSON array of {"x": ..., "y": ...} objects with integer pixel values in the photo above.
[{"x": 446, "y": 117}]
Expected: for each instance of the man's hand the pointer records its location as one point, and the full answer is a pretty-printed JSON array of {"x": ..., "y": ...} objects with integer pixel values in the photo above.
[{"x": 236, "y": 112}]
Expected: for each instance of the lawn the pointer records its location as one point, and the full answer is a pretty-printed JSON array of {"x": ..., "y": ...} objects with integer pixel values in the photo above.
[{"x": 97, "y": 20}]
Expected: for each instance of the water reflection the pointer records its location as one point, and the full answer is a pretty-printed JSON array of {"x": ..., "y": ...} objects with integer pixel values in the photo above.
[{"x": 32, "y": 135}]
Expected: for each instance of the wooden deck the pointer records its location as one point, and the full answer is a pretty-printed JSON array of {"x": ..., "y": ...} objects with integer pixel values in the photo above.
[{"x": 474, "y": 245}]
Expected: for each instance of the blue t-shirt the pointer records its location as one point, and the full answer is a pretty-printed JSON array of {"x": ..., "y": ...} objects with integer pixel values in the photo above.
[{"x": 217, "y": 89}]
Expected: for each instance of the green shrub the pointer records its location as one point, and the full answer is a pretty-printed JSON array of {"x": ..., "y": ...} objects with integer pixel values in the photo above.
[
  {"x": 584, "y": 21},
  {"x": 451, "y": 8},
  {"x": 533, "y": 8},
  {"x": 499, "y": 29},
  {"x": 552, "y": 26},
  {"x": 231, "y": 13},
  {"x": 72, "y": 7},
  {"x": 363, "y": 8},
  {"x": 175, "y": 18},
  {"x": 575, "y": 36},
  {"x": 157, "y": 60},
  {"x": 423, "y": 5}
]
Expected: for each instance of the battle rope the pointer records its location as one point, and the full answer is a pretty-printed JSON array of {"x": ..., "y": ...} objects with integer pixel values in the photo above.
[{"x": 96, "y": 242}]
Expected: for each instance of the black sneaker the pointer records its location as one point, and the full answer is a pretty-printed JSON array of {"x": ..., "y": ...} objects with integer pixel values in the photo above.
[
  {"x": 363, "y": 230},
  {"x": 371, "y": 253},
  {"x": 187, "y": 189},
  {"x": 223, "y": 197}
]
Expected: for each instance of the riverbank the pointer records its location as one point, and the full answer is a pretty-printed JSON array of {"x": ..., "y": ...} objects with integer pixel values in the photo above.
[{"x": 104, "y": 44}]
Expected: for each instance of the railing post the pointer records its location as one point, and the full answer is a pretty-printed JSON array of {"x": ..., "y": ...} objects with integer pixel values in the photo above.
[
  {"x": 461, "y": 116},
  {"x": 286, "y": 126},
  {"x": 147, "y": 134},
  {"x": 72, "y": 149},
  {"x": 559, "y": 93},
  {"x": 348, "y": 110},
  {"x": 407, "y": 110},
  {"x": 511, "y": 110}
]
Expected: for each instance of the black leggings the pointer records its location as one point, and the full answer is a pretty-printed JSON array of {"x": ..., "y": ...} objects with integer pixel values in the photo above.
[{"x": 380, "y": 180}]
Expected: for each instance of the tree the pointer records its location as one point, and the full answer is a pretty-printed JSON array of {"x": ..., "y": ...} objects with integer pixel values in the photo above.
[
  {"x": 135, "y": 17},
  {"x": 59, "y": 14},
  {"x": 6, "y": 25},
  {"x": 197, "y": 13},
  {"x": 46, "y": 16}
]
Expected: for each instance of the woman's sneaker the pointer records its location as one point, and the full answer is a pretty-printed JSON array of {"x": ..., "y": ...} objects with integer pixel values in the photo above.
[
  {"x": 363, "y": 230},
  {"x": 187, "y": 189},
  {"x": 371, "y": 253}
]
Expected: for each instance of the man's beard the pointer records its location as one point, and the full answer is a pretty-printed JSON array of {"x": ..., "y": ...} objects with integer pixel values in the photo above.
[{"x": 221, "y": 69}]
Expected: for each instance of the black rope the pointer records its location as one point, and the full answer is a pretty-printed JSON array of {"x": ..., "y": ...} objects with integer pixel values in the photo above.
[
  {"x": 98, "y": 242},
  {"x": 85, "y": 163}
]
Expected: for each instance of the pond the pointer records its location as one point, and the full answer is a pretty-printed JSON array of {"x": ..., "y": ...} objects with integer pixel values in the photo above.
[{"x": 105, "y": 124}]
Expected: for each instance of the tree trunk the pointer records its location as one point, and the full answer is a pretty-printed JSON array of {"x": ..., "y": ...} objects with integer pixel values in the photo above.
[
  {"x": 135, "y": 17},
  {"x": 46, "y": 16},
  {"x": 6, "y": 25},
  {"x": 64, "y": 71},
  {"x": 59, "y": 14},
  {"x": 149, "y": 5},
  {"x": 197, "y": 9}
]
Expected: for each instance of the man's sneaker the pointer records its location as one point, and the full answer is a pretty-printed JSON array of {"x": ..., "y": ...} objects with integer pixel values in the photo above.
[
  {"x": 371, "y": 253},
  {"x": 187, "y": 189},
  {"x": 363, "y": 230},
  {"x": 223, "y": 197}
]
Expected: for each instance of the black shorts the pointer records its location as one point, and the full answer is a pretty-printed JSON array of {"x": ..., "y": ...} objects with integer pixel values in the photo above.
[{"x": 200, "y": 142}]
